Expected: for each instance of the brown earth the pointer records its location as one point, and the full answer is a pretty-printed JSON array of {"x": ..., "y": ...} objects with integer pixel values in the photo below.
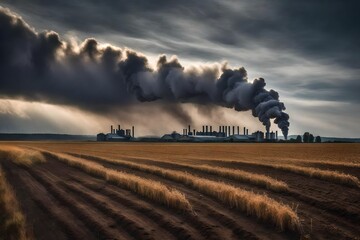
[{"x": 62, "y": 202}]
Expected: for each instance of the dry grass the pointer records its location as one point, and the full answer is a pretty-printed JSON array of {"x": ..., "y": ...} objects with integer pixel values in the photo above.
[
  {"x": 243, "y": 176},
  {"x": 324, "y": 162},
  {"x": 12, "y": 221},
  {"x": 270, "y": 183},
  {"x": 331, "y": 176},
  {"x": 237, "y": 175},
  {"x": 261, "y": 206},
  {"x": 21, "y": 156},
  {"x": 327, "y": 175},
  {"x": 144, "y": 187}
]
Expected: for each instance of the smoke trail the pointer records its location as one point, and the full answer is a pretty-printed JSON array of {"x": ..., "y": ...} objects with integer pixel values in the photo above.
[
  {"x": 42, "y": 67},
  {"x": 171, "y": 82}
]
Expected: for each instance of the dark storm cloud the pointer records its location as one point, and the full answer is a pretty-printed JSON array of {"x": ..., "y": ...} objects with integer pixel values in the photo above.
[
  {"x": 41, "y": 67},
  {"x": 30, "y": 66},
  {"x": 324, "y": 30}
]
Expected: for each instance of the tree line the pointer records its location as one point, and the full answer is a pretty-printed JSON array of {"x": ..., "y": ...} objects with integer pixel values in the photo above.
[{"x": 308, "y": 138}]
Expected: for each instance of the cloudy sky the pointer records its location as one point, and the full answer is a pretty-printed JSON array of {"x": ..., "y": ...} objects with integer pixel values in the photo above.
[{"x": 53, "y": 78}]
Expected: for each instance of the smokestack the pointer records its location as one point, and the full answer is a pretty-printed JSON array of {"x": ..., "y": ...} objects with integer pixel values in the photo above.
[
  {"x": 189, "y": 129},
  {"x": 238, "y": 130},
  {"x": 203, "y": 129},
  {"x": 267, "y": 135},
  {"x": 233, "y": 130},
  {"x": 210, "y": 129},
  {"x": 244, "y": 131},
  {"x": 132, "y": 131},
  {"x": 219, "y": 129},
  {"x": 229, "y": 130},
  {"x": 247, "y": 131},
  {"x": 194, "y": 132},
  {"x": 276, "y": 133},
  {"x": 119, "y": 127},
  {"x": 206, "y": 127},
  {"x": 111, "y": 129},
  {"x": 225, "y": 131}
]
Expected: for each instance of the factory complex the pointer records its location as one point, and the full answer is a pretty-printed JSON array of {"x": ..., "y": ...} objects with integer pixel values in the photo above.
[{"x": 208, "y": 134}]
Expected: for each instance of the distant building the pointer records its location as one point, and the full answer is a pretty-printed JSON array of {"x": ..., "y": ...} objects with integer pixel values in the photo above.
[
  {"x": 101, "y": 137},
  {"x": 259, "y": 136},
  {"x": 239, "y": 138},
  {"x": 174, "y": 136},
  {"x": 117, "y": 135}
]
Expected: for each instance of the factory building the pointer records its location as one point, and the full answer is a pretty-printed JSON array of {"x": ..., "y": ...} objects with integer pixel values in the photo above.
[
  {"x": 117, "y": 135},
  {"x": 174, "y": 136},
  {"x": 206, "y": 134},
  {"x": 259, "y": 136},
  {"x": 224, "y": 134},
  {"x": 224, "y": 131}
]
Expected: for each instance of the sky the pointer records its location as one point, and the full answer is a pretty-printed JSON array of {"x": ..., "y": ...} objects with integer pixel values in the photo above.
[{"x": 79, "y": 66}]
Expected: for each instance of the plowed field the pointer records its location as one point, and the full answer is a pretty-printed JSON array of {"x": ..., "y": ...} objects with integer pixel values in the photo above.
[{"x": 234, "y": 191}]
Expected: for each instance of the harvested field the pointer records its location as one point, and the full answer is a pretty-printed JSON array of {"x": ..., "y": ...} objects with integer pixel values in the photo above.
[{"x": 84, "y": 190}]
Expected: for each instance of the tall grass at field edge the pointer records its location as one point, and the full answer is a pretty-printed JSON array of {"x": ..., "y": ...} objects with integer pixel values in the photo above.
[
  {"x": 12, "y": 220},
  {"x": 21, "y": 156}
]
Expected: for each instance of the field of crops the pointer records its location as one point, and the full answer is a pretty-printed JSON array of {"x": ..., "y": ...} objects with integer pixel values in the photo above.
[{"x": 88, "y": 190}]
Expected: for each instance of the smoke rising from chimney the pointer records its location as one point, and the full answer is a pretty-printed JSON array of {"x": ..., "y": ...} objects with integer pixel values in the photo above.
[
  {"x": 171, "y": 82},
  {"x": 42, "y": 67}
]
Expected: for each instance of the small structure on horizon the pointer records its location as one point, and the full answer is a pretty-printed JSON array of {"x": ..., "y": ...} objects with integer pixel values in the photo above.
[{"x": 117, "y": 135}]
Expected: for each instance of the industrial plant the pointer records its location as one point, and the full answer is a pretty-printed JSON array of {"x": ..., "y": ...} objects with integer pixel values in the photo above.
[
  {"x": 207, "y": 134},
  {"x": 117, "y": 135}
]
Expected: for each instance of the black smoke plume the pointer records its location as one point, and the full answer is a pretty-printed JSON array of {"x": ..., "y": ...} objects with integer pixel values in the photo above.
[{"x": 42, "y": 67}]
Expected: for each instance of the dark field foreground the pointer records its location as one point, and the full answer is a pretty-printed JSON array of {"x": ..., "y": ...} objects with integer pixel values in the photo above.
[{"x": 68, "y": 190}]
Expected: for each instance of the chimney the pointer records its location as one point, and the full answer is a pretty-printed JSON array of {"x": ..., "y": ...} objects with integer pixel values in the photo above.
[
  {"x": 189, "y": 129},
  {"x": 111, "y": 131},
  {"x": 229, "y": 130},
  {"x": 119, "y": 127},
  {"x": 133, "y": 131},
  {"x": 203, "y": 128},
  {"x": 210, "y": 129},
  {"x": 267, "y": 135},
  {"x": 219, "y": 129},
  {"x": 244, "y": 131},
  {"x": 233, "y": 130},
  {"x": 225, "y": 131},
  {"x": 276, "y": 133},
  {"x": 206, "y": 127},
  {"x": 247, "y": 131},
  {"x": 238, "y": 130},
  {"x": 194, "y": 132}
]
